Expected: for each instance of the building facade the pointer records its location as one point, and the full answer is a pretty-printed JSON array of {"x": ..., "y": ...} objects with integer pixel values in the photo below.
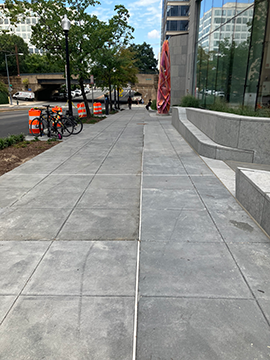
[
  {"x": 175, "y": 18},
  {"x": 22, "y": 29},
  {"x": 224, "y": 53}
]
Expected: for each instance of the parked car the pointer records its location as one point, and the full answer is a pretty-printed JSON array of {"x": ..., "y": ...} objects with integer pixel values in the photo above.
[
  {"x": 24, "y": 95},
  {"x": 73, "y": 94},
  {"x": 59, "y": 97},
  {"x": 78, "y": 92}
]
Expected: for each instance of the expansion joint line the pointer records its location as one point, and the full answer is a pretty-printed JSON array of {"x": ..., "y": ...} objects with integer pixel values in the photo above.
[{"x": 135, "y": 329}]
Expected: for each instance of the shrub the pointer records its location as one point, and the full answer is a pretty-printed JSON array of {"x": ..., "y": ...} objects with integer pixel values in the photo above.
[
  {"x": 190, "y": 101},
  {"x": 3, "y": 98},
  {"x": 11, "y": 140},
  {"x": 154, "y": 105}
]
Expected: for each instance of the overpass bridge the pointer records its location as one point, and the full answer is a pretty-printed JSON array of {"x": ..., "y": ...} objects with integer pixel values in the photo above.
[{"x": 43, "y": 85}]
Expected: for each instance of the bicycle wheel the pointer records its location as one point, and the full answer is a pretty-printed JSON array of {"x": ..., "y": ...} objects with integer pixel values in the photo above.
[
  {"x": 65, "y": 126},
  {"x": 36, "y": 127},
  {"x": 78, "y": 124}
]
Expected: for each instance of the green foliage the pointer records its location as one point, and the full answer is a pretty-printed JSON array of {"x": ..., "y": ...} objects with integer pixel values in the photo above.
[
  {"x": 3, "y": 98},
  {"x": 11, "y": 140},
  {"x": 7, "y": 46},
  {"x": 154, "y": 105},
  {"x": 36, "y": 63},
  {"x": 190, "y": 101},
  {"x": 144, "y": 58},
  {"x": 222, "y": 106}
]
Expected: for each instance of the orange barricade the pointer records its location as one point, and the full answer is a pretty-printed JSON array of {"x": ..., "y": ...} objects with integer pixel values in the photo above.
[
  {"x": 81, "y": 110},
  {"x": 34, "y": 127},
  {"x": 97, "y": 109},
  {"x": 57, "y": 108}
]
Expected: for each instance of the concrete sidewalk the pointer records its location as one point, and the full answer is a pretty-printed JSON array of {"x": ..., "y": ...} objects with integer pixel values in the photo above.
[{"x": 121, "y": 243}]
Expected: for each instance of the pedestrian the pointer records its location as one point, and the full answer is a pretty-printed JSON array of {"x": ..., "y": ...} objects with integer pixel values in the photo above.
[
  {"x": 129, "y": 102},
  {"x": 149, "y": 104}
]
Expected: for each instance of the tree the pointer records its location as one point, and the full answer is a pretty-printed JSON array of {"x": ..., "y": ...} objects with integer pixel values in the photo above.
[
  {"x": 114, "y": 68},
  {"x": 112, "y": 61},
  {"x": 36, "y": 63},
  {"x": 144, "y": 58},
  {"x": 87, "y": 34},
  {"x": 7, "y": 46}
]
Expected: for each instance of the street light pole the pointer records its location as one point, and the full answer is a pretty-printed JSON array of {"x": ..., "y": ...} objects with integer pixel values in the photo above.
[{"x": 66, "y": 27}]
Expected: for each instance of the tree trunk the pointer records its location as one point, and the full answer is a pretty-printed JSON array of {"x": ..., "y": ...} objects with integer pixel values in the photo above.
[
  {"x": 110, "y": 92},
  {"x": 88, "y": 113}
]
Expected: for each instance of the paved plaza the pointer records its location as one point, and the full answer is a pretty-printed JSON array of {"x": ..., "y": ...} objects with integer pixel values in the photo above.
[{"x": 121, "y": 243}]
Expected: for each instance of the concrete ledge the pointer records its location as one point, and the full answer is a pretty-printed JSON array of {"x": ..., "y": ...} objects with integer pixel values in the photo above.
[
  {"x": 253, "y": 192},
  {"x": 203, "y": 144}
]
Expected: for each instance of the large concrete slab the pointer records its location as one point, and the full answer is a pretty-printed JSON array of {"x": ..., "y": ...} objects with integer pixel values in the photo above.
[
  {"x": 65, "y": 328},
  {"x": 190, "y": 270},
  {"x": 206, "y": 329},
  {"x": 86, "y": 268}
]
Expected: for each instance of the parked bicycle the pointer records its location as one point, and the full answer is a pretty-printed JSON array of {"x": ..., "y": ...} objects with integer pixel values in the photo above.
[{"x": 52, "y": 124}]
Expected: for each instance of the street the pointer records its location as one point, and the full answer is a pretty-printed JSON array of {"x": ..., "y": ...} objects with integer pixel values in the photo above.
[{"x": 14, "y": 123}]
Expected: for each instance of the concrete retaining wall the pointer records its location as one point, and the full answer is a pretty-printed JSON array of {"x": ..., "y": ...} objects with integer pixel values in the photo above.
[
  {"x": 241, "y": 132},
  {"x": 253, "y": 192},
  {"x": 203, "y": 144}
]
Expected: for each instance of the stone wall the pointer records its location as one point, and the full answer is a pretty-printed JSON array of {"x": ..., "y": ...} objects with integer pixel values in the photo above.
[
  {"x": 241, "y": 132},
  {"x": 147, "y": 85}
]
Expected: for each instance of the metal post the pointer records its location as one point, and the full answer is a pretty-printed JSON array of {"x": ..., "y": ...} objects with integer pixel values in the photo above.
[
  {"x": 9, "y": 89},
  {"x": 92, "y": 99},
  {"x": 68, "y": 76}
]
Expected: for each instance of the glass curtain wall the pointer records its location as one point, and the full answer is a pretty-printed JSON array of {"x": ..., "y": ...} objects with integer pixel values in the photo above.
[{"x": 230, "y": 51}]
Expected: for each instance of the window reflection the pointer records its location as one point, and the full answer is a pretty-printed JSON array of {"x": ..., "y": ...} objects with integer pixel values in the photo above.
[{"x": 230, "y": 48}]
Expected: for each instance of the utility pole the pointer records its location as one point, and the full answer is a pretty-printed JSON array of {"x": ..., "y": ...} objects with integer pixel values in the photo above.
[{"x": 17, "y": 59}]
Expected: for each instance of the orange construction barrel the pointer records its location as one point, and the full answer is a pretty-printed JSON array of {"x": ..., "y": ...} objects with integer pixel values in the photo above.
[
  {"x": 33, "y": 127},
  {"x": 81, "y": 110}
]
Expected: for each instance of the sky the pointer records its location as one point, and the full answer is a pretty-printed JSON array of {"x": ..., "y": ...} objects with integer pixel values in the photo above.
[{"x": 145, "y": 18}]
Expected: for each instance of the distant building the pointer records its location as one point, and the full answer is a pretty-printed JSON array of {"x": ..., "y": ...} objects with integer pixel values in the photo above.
[
  {"x": 23, "y": 28},
  {"x": 175, "y": 18},
  {"x": 220, "y": 18}
]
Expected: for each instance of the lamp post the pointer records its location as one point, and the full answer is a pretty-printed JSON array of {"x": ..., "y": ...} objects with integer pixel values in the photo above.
[
  {"x": 9, "y": 87},
  {"x": 66, "y": 27}
]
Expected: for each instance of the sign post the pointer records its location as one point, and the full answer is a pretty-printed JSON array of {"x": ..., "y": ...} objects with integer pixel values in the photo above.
[{"x": 92, "y": 83}]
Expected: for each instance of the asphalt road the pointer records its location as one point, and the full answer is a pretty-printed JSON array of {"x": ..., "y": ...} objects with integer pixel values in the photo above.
[{"x": 14, "y": 123}]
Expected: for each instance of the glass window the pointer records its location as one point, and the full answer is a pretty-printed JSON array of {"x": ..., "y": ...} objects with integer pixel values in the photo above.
[
  {"x": 33, "y": 21},
  {"x": 238, "y": 28},
  {"x": 23, "y": 28},
  {"x": 237, "y": 36},
  {"x": 217, "y": 12},
  {"x": 228, "y": 27},
  {"x": 239, "y": 21},
  {"x": 24, "y": 36},
  {"x": 28, "y": 21},
  {"x": 223, "y": 12},
  {"x": 31, "y": 50},
  {"x": 28, "y": 28},
  {"x": 217, "y": 20},
  {"x": 36, "y": 51},
  {"x": 6, "y": 21},
  {"x": 216, "y": 35},
  {"x": 22, "y": 21},
  {"x": 229, "y": 12},
  {"x": 1, "y": 21},
  {"x": 243, "y": 36}
]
